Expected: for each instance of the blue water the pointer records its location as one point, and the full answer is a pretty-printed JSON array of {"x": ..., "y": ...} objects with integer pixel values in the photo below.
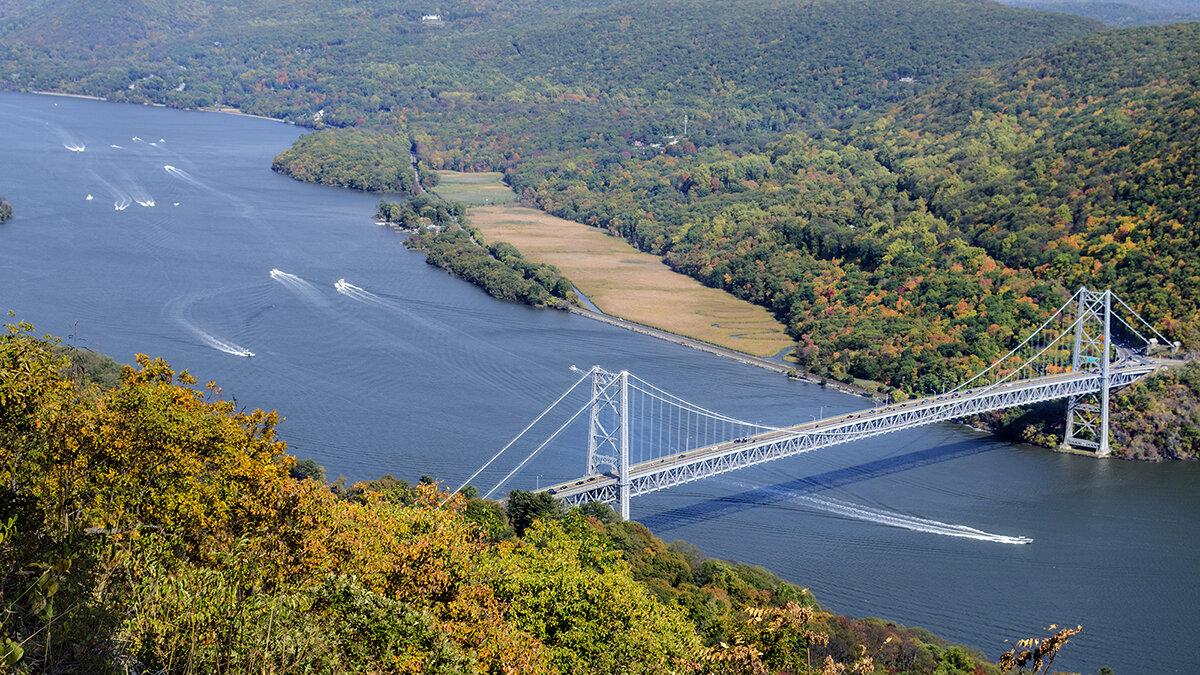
[{"x": 409, "y": 371}]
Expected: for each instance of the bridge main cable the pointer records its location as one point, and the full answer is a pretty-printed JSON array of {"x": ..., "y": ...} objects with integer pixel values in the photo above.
[
  {"x": 518, "y": 436},
  {"x": 546, "y": 442}
]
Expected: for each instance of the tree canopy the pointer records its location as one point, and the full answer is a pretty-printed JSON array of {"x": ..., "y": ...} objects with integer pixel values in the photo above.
[{"x": 151, "y": 526}]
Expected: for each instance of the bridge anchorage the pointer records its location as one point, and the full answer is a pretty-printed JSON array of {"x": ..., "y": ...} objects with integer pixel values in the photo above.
[{"x": 642, "y": 439}]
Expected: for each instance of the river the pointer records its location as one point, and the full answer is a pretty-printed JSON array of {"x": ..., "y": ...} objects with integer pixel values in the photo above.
[{"x": 191, "y": 249}]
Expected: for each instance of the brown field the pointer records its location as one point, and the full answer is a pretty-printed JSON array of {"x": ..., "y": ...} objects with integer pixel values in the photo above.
[
  {"x": 636, "y": 286},
  {"x": 475, "y": 189}
]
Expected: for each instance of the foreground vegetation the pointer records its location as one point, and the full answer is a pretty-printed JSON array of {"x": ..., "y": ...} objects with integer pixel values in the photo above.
[
  {"x": 6, "y": 210},
  {"x": 151, "y": 527}
]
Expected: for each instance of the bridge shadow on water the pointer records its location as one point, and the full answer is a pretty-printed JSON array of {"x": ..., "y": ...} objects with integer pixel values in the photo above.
[{"x": 718, "y": 507}]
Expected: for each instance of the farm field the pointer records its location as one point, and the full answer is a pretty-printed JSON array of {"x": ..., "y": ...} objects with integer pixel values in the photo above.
[{"x": 633, "y": 285}]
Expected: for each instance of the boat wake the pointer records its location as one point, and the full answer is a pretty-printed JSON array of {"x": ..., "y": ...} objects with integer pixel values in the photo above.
[
  {"x": 188, "y": 178},
  {"x": 300, "y": 287},
  {"x": 183, "y": 176},
  {"x": 221, "y": 345},
  {"x": 893, "y": 519},
  {"x": 138, "y": 192},
  {"x": 392, "y": 306},
  {"x": 121, "y": 204},
  {"x": 355, "y": 293},
  {"x": 175, "y": 310},
  {"x": 75, "y": 148}
]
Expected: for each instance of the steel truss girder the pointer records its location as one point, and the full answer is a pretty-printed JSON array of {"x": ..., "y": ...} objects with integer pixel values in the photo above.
[{"x": 669, "y": 472}]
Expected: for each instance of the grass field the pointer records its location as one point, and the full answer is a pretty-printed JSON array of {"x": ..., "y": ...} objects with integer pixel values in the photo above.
[
  {"x": 474, "y": 189},
  {"x": 636, "y": 286}
]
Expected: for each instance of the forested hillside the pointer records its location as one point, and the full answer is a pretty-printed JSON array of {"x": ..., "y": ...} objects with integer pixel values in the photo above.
[
  {"x": 823, "y": 235},
  {"x": 912, "y": 246},
  {"x": 149, "y": 526},
  {"x": 1081, "y": 165},
  {"x": 524, "y": 74}
]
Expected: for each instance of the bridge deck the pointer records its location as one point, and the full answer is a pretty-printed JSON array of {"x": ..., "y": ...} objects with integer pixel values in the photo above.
[{"x": 707, "y": 461}]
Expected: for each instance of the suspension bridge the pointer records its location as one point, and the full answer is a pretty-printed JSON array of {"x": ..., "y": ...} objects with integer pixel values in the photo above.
[{"x": 641, "y": 439}]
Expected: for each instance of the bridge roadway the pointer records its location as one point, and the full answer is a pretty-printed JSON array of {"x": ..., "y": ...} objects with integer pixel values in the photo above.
[{"x": 707, "y": 461}]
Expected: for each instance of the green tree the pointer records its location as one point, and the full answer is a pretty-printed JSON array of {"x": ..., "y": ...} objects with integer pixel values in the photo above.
[{"x": 525, "y": 508}]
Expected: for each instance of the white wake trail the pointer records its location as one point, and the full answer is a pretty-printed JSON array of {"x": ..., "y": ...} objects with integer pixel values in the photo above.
[
  {"x": 914, "y": 523},
  {"x": 138, "y": 192},
  {"x": 356, "y": 293},
  {"x": 195, "y": 182},
  {"x": 206, "y": 338},
  {"x": 219, "y": 344},
  {"x": 184, "y": 176},
  {"x": 368, "y": 298},
  {"x": 68, "y": 139},
  {"x": 300, "y": 287}
]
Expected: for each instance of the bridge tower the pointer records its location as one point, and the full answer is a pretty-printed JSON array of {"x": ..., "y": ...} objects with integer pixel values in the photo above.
[
  {"x": 608, "y": 431},
  {"x": 1087, "y": 414}
]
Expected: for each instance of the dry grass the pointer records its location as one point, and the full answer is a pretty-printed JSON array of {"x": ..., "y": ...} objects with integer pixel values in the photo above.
[
  {"x": 637, "y": 286},
  {"x": 475, "y": 189}
]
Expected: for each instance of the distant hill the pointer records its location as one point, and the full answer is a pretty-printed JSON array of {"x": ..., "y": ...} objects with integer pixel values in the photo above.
[
  {"x": 755, "y": 66},
  {"x": 778, "y": 62},
  {"x": 1119, "y": 14}
]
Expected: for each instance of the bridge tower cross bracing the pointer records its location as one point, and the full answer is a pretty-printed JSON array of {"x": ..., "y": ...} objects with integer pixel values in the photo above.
[
  {"x": 1087, "y": 414},
  {"x": 608, "y": 431}
]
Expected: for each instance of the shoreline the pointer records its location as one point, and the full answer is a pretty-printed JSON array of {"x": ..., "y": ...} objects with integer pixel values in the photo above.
[
  {"x": 724, "y": 352},
  {"x": 218, "y": 110},
  {"x": 65, "y": 95},
  {"x": 238, "y": 113}
]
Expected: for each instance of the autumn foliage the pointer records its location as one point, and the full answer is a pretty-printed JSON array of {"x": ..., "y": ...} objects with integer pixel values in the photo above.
[{"x": 152, "y": 527}]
